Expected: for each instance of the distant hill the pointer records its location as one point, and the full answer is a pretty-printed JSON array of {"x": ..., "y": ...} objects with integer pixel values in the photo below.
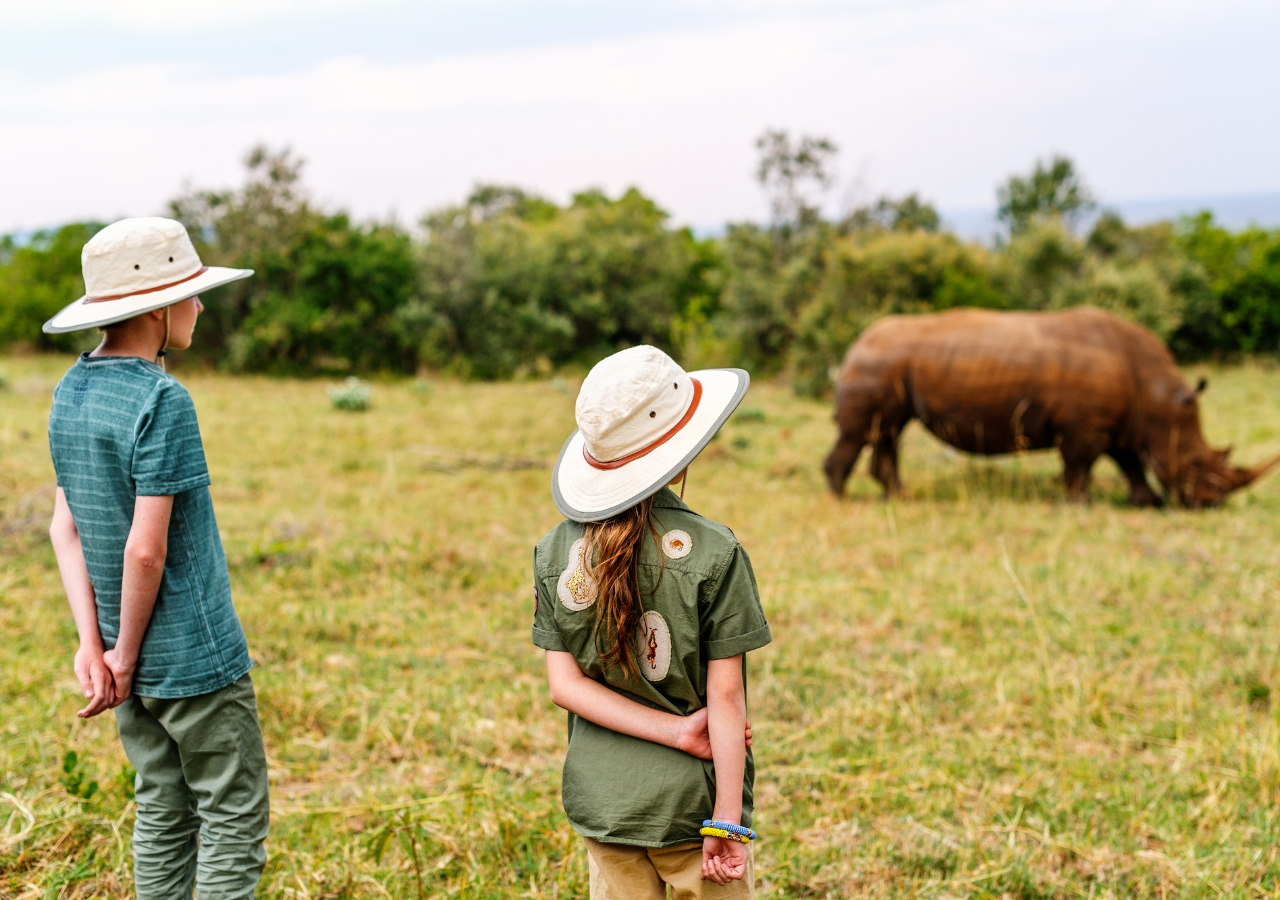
[{"x": 1234, "y": 212}]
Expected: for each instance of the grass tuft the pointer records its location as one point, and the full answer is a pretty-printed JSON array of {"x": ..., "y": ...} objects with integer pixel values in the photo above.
[{"x": 352, "y": 395}]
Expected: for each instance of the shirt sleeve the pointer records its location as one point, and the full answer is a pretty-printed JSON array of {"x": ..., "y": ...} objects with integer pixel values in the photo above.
[
  {"x": 546, "y": 633},
  {"x": 168, "y": 455},
  {"x": 733, "y": 622}
]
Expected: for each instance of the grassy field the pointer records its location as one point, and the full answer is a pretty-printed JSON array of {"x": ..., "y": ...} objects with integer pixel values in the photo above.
[{"x": 979, "y": 691}]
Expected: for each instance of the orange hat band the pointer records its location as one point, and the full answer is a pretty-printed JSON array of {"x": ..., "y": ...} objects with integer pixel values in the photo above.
[
  {"x": 199, "y": 271},
  {"x": 645, "y": 451}
]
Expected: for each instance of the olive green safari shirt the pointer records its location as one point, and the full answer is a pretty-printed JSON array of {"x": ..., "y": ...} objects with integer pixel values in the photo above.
[{"x": 701, "y": 603}]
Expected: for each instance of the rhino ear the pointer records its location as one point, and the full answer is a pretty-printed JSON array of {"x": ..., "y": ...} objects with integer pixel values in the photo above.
[{"x": 1201, "y": 385}]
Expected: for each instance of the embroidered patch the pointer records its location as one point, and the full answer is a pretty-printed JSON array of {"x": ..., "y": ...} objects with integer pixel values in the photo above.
[
  {"x": 654, "y": 647},
  {"x": 576, "y": 589},
  {"x": 677, "y": 544},
  {"x": 535, "y": 600}
]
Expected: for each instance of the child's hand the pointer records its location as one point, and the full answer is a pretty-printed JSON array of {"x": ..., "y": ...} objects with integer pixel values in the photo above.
[
  {"x": 723, "y": 860},
  {"x": 695, "y": 739},
  {"x": 96, "y": 681},
  {"x": 121, "y": 672}
]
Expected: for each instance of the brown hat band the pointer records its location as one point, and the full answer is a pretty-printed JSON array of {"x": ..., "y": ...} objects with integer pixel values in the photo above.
[
  {"x": 199, "y": 271},
  {"x": 645, "y": 451}
]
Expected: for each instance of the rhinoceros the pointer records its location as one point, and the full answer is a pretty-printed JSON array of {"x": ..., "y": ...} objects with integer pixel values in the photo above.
[{"x": 987, "y": 382}]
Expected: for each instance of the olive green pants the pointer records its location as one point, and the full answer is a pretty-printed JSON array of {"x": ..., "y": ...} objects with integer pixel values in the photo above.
[{"x": 201, "y": 791}]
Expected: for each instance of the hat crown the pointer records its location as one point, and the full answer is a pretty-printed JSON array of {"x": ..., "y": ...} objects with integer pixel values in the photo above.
[
  {"x": 136, "y": 255},
  {"x": 629, "y": 400}
]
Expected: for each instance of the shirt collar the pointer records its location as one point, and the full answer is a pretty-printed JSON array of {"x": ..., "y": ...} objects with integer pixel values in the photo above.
[
  {"x": 667, "y": 499},
  {"x": 87, "y": 360}
]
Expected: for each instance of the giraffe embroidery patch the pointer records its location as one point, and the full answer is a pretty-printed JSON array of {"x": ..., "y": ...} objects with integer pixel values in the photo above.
[
  {"x": 576, "y": 589},
  {"x": 654, "y": 648},
  {"x": 677, "y": 544}
]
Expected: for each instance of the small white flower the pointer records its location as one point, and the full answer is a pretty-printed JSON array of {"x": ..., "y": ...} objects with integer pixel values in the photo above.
[{"x": 677, "y": 544}]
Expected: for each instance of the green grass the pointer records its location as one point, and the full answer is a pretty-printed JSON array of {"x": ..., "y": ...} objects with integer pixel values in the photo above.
[{"x": 979, "y": 691}]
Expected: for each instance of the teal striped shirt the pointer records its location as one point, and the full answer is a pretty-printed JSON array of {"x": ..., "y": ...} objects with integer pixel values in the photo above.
[{"x": 121, "y": 428}]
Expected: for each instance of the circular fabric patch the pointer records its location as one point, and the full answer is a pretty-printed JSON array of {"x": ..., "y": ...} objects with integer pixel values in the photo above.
[
  {"x": 677, "y": 544},
  {"x": 654, "y": 647},
  {"x": 576, "y": 589}
]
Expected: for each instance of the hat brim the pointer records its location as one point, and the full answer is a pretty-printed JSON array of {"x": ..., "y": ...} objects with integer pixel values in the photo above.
[
  {"x": 584, "y": 493},
  {"x": 82, "y": 314}
]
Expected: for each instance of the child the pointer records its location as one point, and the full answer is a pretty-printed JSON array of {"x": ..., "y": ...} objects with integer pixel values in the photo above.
[
  {"x": 646, "y": 611},
  {"x": 144, "y": 570}
]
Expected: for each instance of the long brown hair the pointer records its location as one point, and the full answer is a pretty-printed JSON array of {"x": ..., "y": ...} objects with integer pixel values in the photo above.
[{"x": 615, "y": 546}]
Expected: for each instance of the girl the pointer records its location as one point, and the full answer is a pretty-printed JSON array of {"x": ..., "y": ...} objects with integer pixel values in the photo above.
[{"x": 646, "y": 611}]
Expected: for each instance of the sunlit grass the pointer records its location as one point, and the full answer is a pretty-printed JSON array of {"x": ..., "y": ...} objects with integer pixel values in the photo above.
[{"x": 979, "y": 691}]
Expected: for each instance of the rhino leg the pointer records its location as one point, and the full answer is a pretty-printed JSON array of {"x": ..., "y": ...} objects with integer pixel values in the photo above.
[
  {"x": 884, "y": 464},
  {"x": 1140, "y": 492},
  {"x": 859, "y": 411},
  {"x": 1079, "y": 453},
  {"x": 841, "y": 460}
]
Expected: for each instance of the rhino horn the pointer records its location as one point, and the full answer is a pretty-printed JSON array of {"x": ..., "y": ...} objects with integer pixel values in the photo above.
[{"x": 1245, "y": 477}]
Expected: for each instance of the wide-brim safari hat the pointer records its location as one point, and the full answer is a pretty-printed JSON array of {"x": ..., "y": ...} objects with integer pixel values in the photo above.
[
  {"x": 641, "y": 420},
  {"x": 134, "y": 266}
]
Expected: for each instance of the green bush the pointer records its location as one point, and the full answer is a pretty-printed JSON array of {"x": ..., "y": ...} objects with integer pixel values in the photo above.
[
  {"x": 1134, "y": 273},
  {"x": 512, "y": 283},
  {"x": 507, "y": 283},
  {"x": 37, "y": 279},
  {"x": 772, "y": 274},
  {"x": 352, "y": 395},
  {"x": 332, "y": 300},
  {"x": 327, "y": 294},
  {"x": 1233, "y": 291},
  {"x": 888, "y": 272}
]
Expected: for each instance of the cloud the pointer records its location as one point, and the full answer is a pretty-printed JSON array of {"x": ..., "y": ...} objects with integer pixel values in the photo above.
[
  {"x": 165, "y": 16},
  {"x": 945, "y": 97}
]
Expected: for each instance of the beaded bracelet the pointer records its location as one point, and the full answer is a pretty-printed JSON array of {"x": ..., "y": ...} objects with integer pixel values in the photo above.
[{"x": 727, "y": 830}]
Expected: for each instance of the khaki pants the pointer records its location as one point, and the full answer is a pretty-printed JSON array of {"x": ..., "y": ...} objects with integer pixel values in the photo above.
[
  {"x": 201, "y": 792},
  {"x": 624, "y": 872}
]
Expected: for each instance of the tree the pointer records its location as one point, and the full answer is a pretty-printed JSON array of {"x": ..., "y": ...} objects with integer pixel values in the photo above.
[
  {"x": 326, "y": 292},
  {"x": 37, "y": 278},
  {"x": 1053, "y": 190},
  {"x": 511, "y": 283},
  {"x": 1233, "y": 291},
  {"x": 785, "y": 171},
  {"x": 884, "y": 272},
  {"x": 907, "y": 214}
]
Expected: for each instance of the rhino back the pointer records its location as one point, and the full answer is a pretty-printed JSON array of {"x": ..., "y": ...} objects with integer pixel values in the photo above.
[{"x": 995, "y": 382}]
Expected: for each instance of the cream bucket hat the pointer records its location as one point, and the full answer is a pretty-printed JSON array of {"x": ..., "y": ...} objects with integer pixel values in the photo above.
[
  {"x": 641, "y": 420},
  {"x": 134, "y": 266}
]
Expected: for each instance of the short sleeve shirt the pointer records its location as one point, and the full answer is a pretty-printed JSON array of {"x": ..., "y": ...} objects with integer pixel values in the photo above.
[
  {"x": 121, "y": 428},
  {"x": 701, "y": 603}
]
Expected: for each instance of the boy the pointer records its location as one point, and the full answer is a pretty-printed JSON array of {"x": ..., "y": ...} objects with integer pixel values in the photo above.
[{"x": 145, "y": 573}]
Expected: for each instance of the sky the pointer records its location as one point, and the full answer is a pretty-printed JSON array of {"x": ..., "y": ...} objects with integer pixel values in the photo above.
[{"x": 110, "y": 107}]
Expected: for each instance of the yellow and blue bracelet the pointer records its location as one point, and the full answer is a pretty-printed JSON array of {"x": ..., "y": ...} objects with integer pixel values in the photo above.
[{"x": 727, "y": 830}]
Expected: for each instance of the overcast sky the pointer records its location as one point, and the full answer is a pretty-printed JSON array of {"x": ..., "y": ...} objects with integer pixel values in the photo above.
[{"x": 108, "y": 106}]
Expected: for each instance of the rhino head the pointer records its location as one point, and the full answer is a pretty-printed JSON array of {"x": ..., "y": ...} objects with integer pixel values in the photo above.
[
  {"x": 1206, "y": 479},
  {"x": 1193, "y": 474}
]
